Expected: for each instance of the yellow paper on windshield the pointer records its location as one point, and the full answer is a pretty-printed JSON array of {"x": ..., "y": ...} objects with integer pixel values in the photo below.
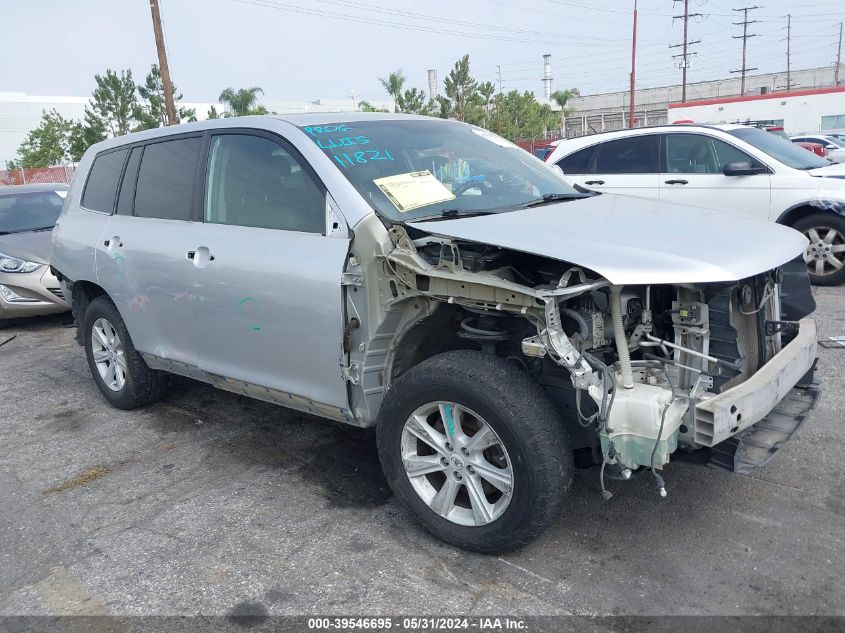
[{"x": 414, "y": 189}]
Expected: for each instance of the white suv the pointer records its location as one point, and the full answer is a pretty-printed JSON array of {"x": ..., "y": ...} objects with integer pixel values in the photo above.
[{"x": 732, "y": 167}]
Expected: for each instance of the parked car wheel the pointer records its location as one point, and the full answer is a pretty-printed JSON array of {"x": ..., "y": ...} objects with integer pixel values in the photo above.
[
  {"x": 118, "y": 369},
  {"x": 475, "y": 451},
  {"x": 825, "y": 254}
]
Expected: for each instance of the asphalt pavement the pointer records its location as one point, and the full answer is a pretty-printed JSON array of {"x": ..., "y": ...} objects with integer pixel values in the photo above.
[{"x": 211, "y": 503}]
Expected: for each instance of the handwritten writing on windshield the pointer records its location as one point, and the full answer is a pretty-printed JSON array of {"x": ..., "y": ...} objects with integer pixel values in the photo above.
[{"x": 345, "y": 159}]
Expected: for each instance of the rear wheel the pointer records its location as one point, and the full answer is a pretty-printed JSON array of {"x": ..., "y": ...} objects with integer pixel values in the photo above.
[
  {"x": 825, "y": 254},
  {"x": 118, "y": 369},
  {"x": 476, "y": 452}
]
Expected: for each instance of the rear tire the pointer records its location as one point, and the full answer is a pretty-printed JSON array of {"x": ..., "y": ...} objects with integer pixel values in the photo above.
[
  {"x": 826, "y": 252},
  {"x": 118, "y": 369},
  {"x": 529, "y": 446}
]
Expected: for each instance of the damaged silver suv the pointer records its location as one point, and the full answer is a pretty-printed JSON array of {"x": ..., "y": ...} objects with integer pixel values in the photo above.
[{"x": 431, "y": 279}]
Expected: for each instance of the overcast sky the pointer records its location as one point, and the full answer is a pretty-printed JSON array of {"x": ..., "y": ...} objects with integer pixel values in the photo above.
[{"x": 307, "y": 49}]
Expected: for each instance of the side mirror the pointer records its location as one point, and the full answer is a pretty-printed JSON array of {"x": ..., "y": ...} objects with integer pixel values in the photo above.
[
  {"x": 831, "y": 146},
  {"x": 743, "y": 169}
]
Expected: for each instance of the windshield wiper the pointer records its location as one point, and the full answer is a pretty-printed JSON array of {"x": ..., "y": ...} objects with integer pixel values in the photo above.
[
  {"x": 455, "y": 213},
  {"x": 554, "y": 197}
]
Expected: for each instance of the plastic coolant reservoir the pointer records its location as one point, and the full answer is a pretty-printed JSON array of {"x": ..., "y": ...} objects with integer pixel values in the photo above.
[{"x": 634, "y": 423}]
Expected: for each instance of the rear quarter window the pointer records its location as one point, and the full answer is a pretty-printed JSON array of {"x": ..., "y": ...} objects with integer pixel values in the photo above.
[
  {"x": 580, "y": 162},
  {"x": 101, "y": 186}
]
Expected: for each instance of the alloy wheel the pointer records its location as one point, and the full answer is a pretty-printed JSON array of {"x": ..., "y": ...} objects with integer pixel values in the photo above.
[
  {"x": 457, "y": 464},
  {"x": 825, "y": 253},
  {"x": 109, "y": 357}
]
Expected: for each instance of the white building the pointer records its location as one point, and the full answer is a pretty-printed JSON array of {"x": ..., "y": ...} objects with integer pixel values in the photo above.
[
  {"x": 20, "y": 113},
  {"x": 797, "y": 112}
]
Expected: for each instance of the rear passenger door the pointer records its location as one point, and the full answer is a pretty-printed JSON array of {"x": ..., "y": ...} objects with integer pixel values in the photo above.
[
  {"x": 142, "y": 262},
  {"x": 628, "y": 165},
  {"x": 268, "y": 272}
]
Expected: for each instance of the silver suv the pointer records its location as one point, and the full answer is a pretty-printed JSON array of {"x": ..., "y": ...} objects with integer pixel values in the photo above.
[{"x": 428, "y": 278}]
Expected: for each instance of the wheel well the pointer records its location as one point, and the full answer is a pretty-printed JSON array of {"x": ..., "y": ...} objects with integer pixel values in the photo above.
[
  {"x": 83, "y": 293},
  {"x": 793, "y": 215},
  {"x": 428, "y": 337}
]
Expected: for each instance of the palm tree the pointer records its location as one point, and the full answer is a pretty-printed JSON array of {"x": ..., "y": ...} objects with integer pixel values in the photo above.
[
  {"x": 562, "y": 97},
  {"x": 242, "y": 102},
  {"x": 393, "y": 84}
]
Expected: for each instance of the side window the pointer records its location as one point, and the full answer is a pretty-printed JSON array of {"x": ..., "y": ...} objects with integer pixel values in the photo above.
[
  {"x": 727, "y": 153},
  {"x": 166, "y": 179},
  {"x": 101, "y": 187},
  {"x": 634, "y": 155},
  {"x": 581, "y": 162},
  {"x": 254, "y": 181},
  {"x": 127, "y": 187},
  {"x": 691, "y": 154}
]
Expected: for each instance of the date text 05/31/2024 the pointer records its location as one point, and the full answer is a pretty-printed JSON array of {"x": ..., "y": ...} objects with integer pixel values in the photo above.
[
  {"x": 422, "y": 623},
  {"x": 349, "y": 158}
]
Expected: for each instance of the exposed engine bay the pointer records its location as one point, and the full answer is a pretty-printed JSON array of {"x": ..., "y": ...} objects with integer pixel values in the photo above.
[{"x": 634, "y": 369}]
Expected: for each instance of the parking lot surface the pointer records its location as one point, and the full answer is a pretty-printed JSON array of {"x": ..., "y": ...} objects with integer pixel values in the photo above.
[{"x": 216, "y": 504}]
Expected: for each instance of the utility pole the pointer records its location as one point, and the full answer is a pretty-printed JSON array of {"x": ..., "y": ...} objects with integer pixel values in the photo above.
[
  {"x": 169, "y": 107},
  {"x": 685, "y": 45},
  {"x": 499, "y": 101},
  {"x": 788, "y": 56},
  {"x": 633, "y": 69},
  {"x": 745, "y": 35},
  {"x": 838, "y": 57}
]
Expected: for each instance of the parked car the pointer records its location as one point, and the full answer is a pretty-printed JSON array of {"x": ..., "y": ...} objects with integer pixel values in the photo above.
[
  {"x": 816, "y": 148},
  {"x": 738, "y": 168},
  {"x": 431, "y": 279},
  {"x": 27, "y": 215},
  {"x": 835, "y": 147}
]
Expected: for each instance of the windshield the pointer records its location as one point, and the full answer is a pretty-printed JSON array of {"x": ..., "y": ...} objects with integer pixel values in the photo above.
[
  {"x": 835, "y": 140},
  {"x": 408, "y": 170},
  {"x": 29, "y": 211},
  {"x": 786, "y": 152}
]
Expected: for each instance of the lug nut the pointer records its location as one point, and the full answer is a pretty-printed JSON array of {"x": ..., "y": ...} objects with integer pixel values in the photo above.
[
  {"x": 470, "y": 470},
  {"x": 465, "y": 451},
  {"x": 448, "y": 446},
  {"x": 444, "y": 461},
  {"x": 458, "y": 476}
]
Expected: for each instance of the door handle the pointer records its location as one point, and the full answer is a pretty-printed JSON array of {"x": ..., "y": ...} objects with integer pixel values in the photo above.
[
  {"x": 114, "y": 240},
  {"x": 594, "y": 182},
  {"x": 677, "y": 181}
]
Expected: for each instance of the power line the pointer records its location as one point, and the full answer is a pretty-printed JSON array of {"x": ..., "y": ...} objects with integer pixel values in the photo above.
[
  {"x": 745, "y": 35},
  {"x": 684, "y": 45}
]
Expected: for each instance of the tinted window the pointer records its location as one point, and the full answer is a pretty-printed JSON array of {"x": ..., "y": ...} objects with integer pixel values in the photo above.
[
  {"x": 727, "y": 153},
  {"x": 127, "y": 188},
  {"x": 255, "y": 181},
  {"x": 578, "y": 163},
  {"x": 101, "y": 187},
  {"x": 635, "y": 155},
  {"x": 166, "y": 179},
  {"x": 29, "y": 211}
]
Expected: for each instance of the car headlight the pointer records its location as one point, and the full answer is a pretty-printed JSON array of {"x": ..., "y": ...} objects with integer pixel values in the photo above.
[{"x": 9, "y": 264}]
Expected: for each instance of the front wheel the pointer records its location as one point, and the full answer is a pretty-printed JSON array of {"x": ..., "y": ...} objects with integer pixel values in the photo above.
[
  {"x": 825, "y": 254},
  {"x": 474, "y": 449}
]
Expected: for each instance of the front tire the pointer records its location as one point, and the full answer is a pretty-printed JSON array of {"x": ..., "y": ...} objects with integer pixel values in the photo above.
[
  {"x": 825, "y": 254},
  {"x": 118, "y": 369},
  {"x": 475, "y": 451}
]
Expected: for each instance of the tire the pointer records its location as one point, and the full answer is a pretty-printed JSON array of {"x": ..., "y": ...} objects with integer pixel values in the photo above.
[
  {"x": 534, "y": 445},
  {"x": 826, "y": 232},
  {"x": 140, "y": 385}
]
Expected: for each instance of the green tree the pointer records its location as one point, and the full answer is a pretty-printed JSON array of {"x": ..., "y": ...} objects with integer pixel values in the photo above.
[
  {"x": 212, "y": 113},
  {"x": 393, "y": 85},
  {"x": 242, "y": 102},
  {"x": 151, "y": 111},
  {"x": 414, "y": 101},
  {"x": 366, "y": 106},
  {"x": 461, "y": 90},
  {"x": 112, "y": 104},
  {"x": 562, "y": 97},
  {"x": 50, "y": 143}
]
